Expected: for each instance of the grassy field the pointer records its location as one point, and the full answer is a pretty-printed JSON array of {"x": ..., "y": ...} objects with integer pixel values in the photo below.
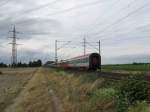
[
  {"x": 76, "y": 93},
  {"x": 55, "y": 90}
]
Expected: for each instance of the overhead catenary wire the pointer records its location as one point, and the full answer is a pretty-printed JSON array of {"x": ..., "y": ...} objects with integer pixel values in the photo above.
[
  {"x": 64, "y": 53},
  {"x": 93, "y": 46},
  {"x": 69, "y": 53},
  {"x": 70, "y": 48},
  {"x": 65, "y": 44}
]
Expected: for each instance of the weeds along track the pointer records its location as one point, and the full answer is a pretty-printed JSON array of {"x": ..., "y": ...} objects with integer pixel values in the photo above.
[{"x": 82, "y": 93}]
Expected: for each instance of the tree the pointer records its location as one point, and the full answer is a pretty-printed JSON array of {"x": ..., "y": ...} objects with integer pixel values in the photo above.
[{"x": 3, "y": 65}]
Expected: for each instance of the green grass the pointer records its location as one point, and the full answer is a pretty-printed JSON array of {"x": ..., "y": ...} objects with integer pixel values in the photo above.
[
  {"x": 103, "y": 94},
  {"x": 127, "y": 67},
  {"x": 140, "y": 107}
]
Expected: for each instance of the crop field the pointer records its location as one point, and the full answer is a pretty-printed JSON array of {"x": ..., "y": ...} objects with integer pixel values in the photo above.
[{"x": 128, "y": 68}]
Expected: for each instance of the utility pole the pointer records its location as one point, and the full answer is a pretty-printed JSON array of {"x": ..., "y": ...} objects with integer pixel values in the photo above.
[
  {"x": 58, "y": 48},
  {"x": 100, "y": 55},
  {"x": 14, "y": 48},
  {"x": 99, "y": 47},
  {"x": 84, "y": 45},
  {"x": 56, "y": 58}
]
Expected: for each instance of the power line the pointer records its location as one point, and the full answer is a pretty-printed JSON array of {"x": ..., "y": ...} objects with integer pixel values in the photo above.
[
  {"x": 113, "y": 4},
  {"x": 60, "y": 12},
  {"x": 127, "y": 38},
  {"x": 33, "y": 9},
  {"x": 48, "y": 33},
  {"x": 76, "y": 7},
  {"x": 123, "y": 18},
  {"x": 63, "y": 11},
  {"x": 39, "y": 7},
  {"x": 128, "y": 5}
]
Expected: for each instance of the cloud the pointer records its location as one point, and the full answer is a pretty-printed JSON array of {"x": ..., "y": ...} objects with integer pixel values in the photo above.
[
  {"x": 38, "y": 26},
  {"x": 40, "y": 23}
]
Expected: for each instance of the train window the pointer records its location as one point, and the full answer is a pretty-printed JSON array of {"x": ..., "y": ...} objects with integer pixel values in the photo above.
[
  {"x": 83, "y": 60},
  {"x": 80, "y": 60},
  {"x": 73, "y": 61}
]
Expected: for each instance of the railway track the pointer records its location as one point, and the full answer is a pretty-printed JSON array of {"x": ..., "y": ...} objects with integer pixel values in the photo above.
[
  {"x": 118, "y": 76},
  {"x": 109, "y": 75},
  {"x": 113, "y": 76}
]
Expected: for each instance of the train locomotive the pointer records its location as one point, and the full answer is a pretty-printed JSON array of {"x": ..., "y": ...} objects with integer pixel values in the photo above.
[{"x": 90, "y": 61}]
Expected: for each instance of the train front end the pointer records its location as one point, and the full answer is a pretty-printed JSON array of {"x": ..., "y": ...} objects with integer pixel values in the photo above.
[{"x": 94, "y": 61}]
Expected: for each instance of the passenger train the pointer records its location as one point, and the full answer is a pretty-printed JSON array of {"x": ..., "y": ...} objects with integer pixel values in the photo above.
[{"x": 90, "y": 61}]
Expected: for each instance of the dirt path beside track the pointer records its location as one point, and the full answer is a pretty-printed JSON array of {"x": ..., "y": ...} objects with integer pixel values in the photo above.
[
  {"x": 12, "y": 82},
  {"x": 56, "y": 103},
  {"x": 36, "y": 97}
]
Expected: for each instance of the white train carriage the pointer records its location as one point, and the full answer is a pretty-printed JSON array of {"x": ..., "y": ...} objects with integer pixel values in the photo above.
[{"x": 90, "y": 61}]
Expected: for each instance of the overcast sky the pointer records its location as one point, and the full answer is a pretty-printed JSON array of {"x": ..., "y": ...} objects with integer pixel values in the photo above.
[{"x": 123, "y": 26}]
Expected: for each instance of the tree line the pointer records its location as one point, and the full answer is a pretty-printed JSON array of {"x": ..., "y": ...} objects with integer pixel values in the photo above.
[{"x": 37, "y": 63}]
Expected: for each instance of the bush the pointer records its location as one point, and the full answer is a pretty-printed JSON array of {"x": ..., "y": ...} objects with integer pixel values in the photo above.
[
  {"x": 3, "y": 65},
  {"x": 1, "y": 72},
  {"x": 103, "y": 94},
  {"x": 132, "y": 90}
]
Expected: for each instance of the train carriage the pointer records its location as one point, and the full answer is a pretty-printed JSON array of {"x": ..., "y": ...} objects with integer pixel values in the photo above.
[{"x": 90, "y": 61}]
